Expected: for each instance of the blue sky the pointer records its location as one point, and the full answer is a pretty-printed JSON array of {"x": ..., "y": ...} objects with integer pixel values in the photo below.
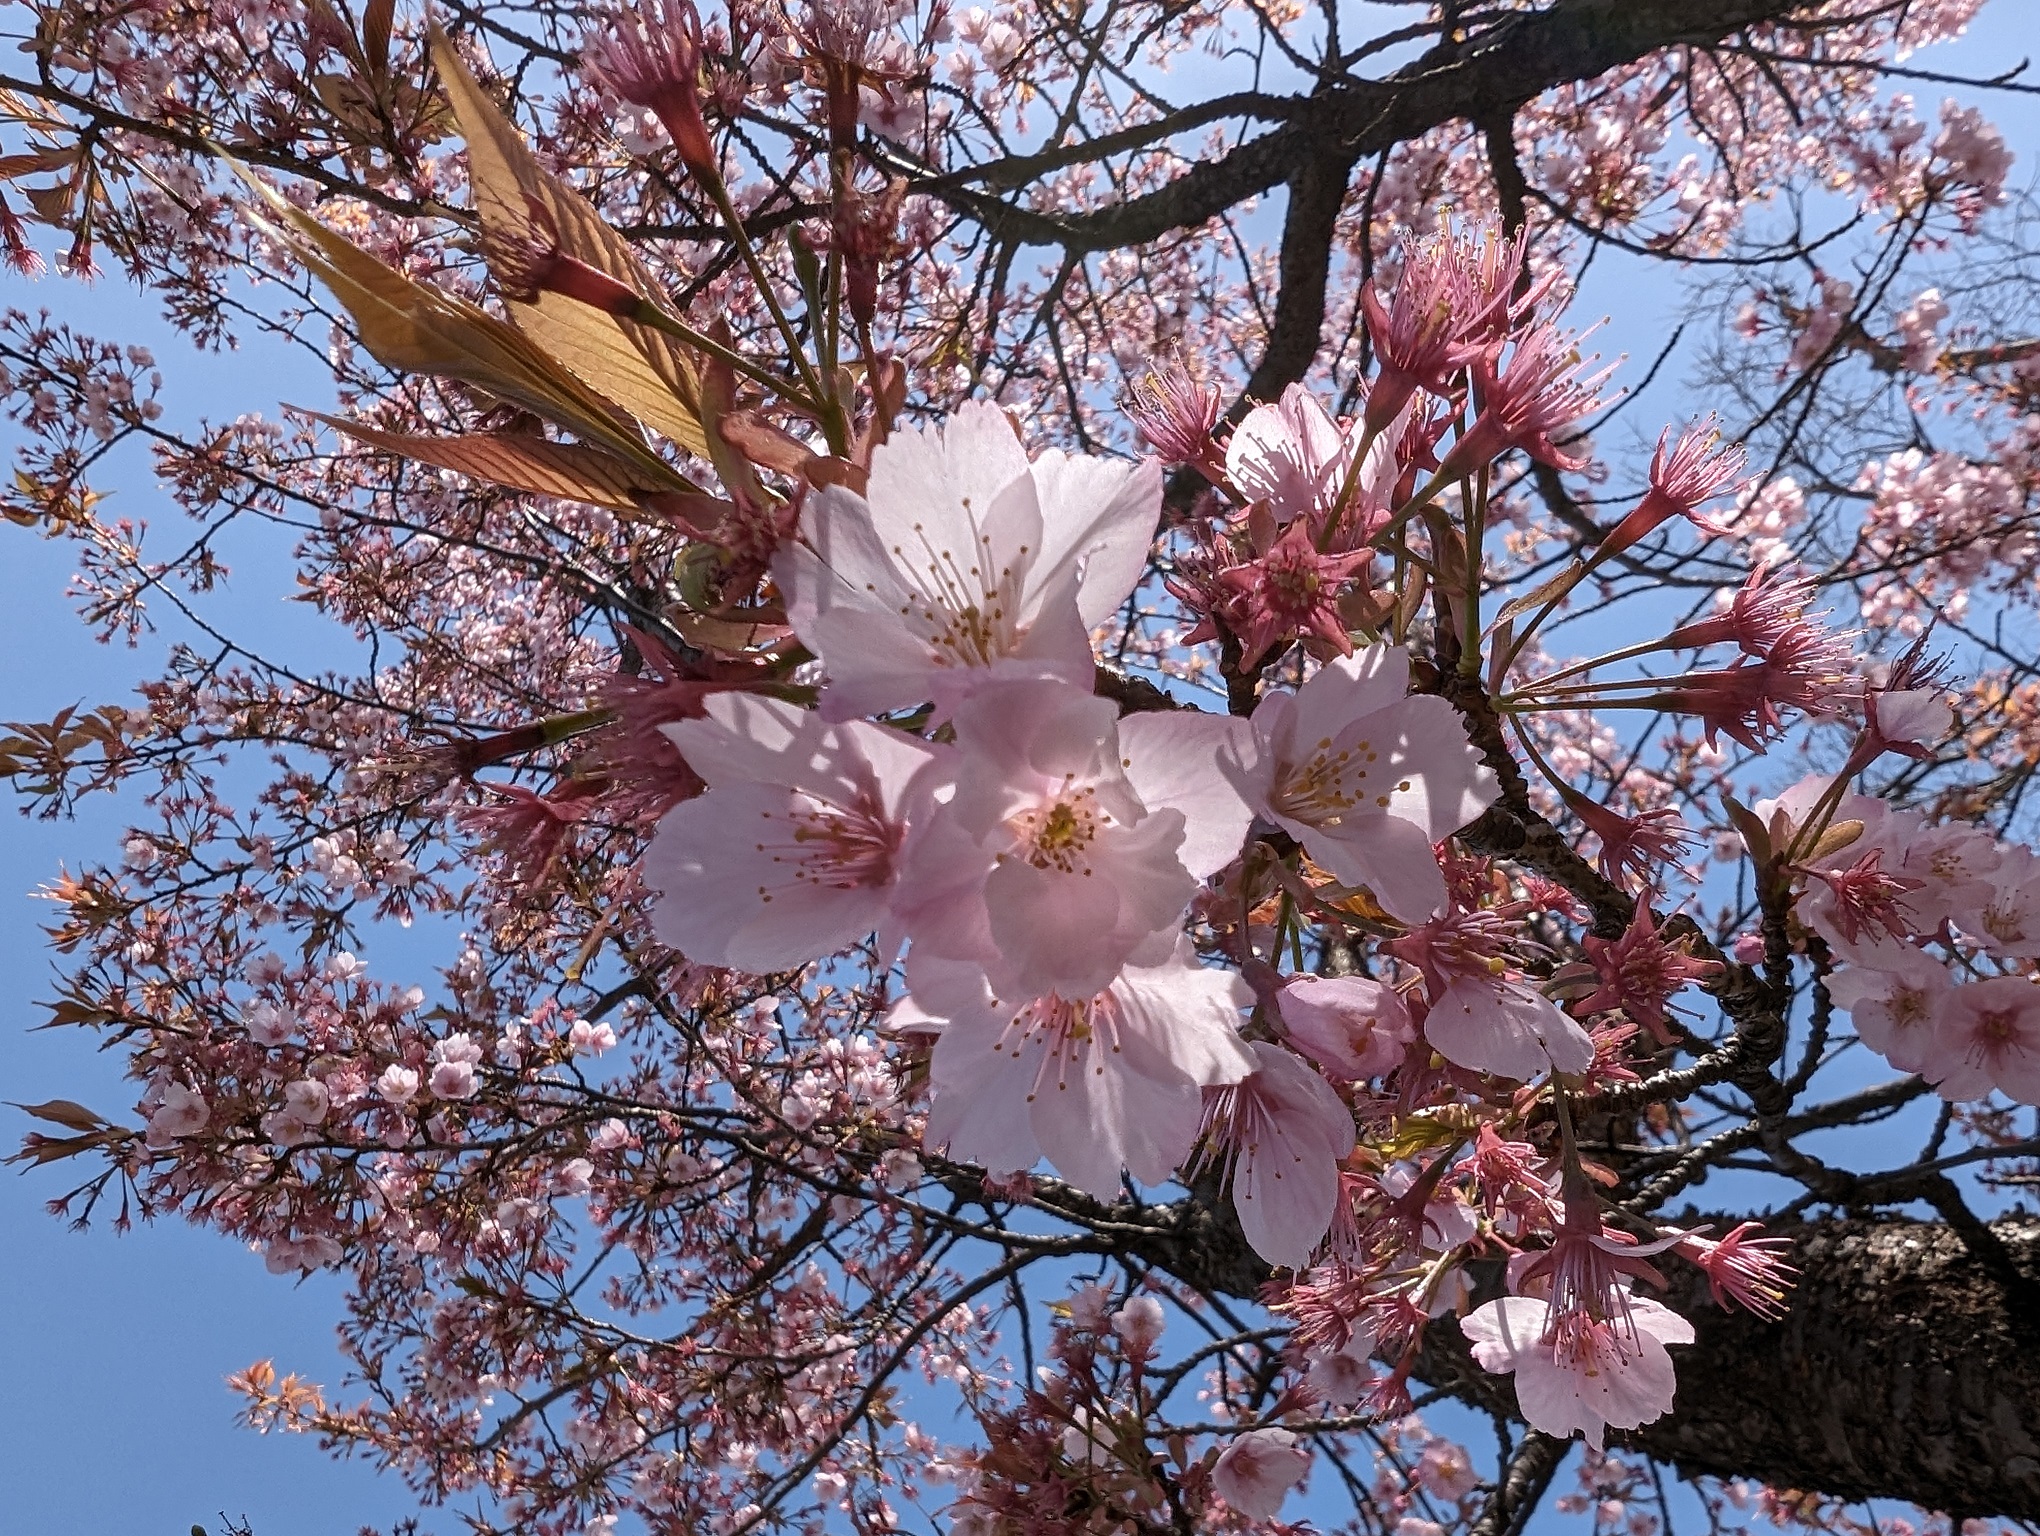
[{"x": 115, "y": 1418}]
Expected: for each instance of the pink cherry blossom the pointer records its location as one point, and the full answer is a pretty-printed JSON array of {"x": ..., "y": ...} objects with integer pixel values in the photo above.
[
  {"x": 454, "y": 1060},
  {"x": 1862, "y": 905},
  {"x": 1909, "y": 721},
  {"x": 1683, "y": 476},
  {"x": 1113, "y": 1082},
  {"x": 1607, "y": 1374},
  {"x": 963, "y": 562},
  {"x": 2008, "y": 921},
  {"x": 1453, "y": 302},
  {"x": 1257, "y": 1469},
  {"x": 1494, "y": 1024},
  {"x": 795, "y": 849},
  {"x": 1342, "y": 1376},
  {"x": 1365, "y": 777},
  {"x": 1297, "y": 459},
  {"x": 1177, "y": 415},
  {"x": 1282, "y": 1132},
  {"x": 1539, "y": 397},
  {"x": 268, "y": 1024},
  {"x": 651, "y": 55},
  {"x": 1955, "y": 866},
  {"x": 182, "y": 1112},
  {"x": 1045, "y": 868},
  {"x": 1757, "y": 614},
  {"x": 1352, "y": 1026},
  {"x": 1139, "y": 1324},
  {"x": 1290, "y": 592},
  {"x": 1987, "y": 1035},
  {"x": 1895, "y": 1004},
  {"x": 1638, "y": 847},
  {"x": 1742, "y": 1268},
  {"x": 1640, "y": 973}
]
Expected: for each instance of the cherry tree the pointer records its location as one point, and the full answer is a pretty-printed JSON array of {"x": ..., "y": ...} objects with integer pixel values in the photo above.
[{"x": 1033, "y": 812}]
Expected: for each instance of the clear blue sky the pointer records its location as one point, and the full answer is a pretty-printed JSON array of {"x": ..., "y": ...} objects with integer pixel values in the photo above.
[{"x": 113, "y": 1417}]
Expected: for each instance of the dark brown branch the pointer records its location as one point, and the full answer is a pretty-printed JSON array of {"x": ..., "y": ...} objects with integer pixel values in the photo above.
[
  {"x": 1904, "y": 1369},
  {"x": 1495, "y": 70},
  {"x": 1530, "y": 1470},
  {"x": 1317, "y": 191}
]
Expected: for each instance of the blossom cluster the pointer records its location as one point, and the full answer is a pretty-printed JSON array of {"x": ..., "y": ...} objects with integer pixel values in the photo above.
[
  {"x": 932, "y": 898},
  {"x": 1079, "y": 894},
  {"x": 1930, "y": 928},
  {"x": 1037, "y": 854}
]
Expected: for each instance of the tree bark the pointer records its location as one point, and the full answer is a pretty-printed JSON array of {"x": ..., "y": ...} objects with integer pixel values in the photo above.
[{"x": 1903, "y": 1369}]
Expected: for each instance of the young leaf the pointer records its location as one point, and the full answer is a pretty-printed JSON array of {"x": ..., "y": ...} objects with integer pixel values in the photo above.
[
  {"x": 62, "y": 1112},
  {"x": 521, "y": 462},
  {"x": 412, "y": 327},
  {"x": 375, "y": 36},
  {"x": 644, "y": 370}
]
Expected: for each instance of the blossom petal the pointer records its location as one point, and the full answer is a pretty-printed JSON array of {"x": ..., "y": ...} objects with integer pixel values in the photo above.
[
  {"x": 1171, "y": 759},
  {"x": 728, "y": 897},
  {"x": 1098, "y": 520}
]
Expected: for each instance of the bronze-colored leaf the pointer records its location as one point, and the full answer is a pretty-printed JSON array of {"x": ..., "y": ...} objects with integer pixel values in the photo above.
[
  {"x": 52, "y": 204},
  {"x": 375, "y": 35},
  {"x": 521, "y": 462},
  {"x": 14, "y": 166},
  {"x": 645, "y": 371},
  {"x": 413, "y": 327},
  {"x": 63, "y": 1112}
]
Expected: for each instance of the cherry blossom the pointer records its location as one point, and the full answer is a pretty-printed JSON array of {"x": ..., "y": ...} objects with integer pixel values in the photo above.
[
  {"x": 1894, "y": 1010},
  {"x": 1352, "y": 1026},
  {"x": 2008, "y": 921},
  {"x": 182, "y": 1112},
  {"x": 1281, "y": 1132},
  {"x": 1303, "y": 464},
  {"x": 796, "y": 848},
  {"x": 1366, "y": 777},
  {"x": 1115, "y": 1081},
  {"x": 1044, "y": 867},
  {"x": 1599, "y": 1376},
  {"x": 1987, "y": 1035},
  {"x": 1256, "y": 1470},
  {"x": 962, "y": 562},
  {"x": 1494, "y": 1024},
  {"x": 1741, "y": 1267}
]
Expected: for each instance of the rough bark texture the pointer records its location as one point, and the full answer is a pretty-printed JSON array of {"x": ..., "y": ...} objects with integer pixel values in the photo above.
[{"x": 1902, "y": 1371}]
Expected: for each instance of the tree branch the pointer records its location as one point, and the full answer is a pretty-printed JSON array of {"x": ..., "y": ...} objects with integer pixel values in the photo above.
[{"x": 1495, "y": 70}]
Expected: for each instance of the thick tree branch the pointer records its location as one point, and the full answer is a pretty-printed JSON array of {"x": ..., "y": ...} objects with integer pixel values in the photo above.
[
  {"x": 1317, "y": 192},
  {"x": 1904, "y": 1370},
  {"x": 1493, "y": 71}
]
